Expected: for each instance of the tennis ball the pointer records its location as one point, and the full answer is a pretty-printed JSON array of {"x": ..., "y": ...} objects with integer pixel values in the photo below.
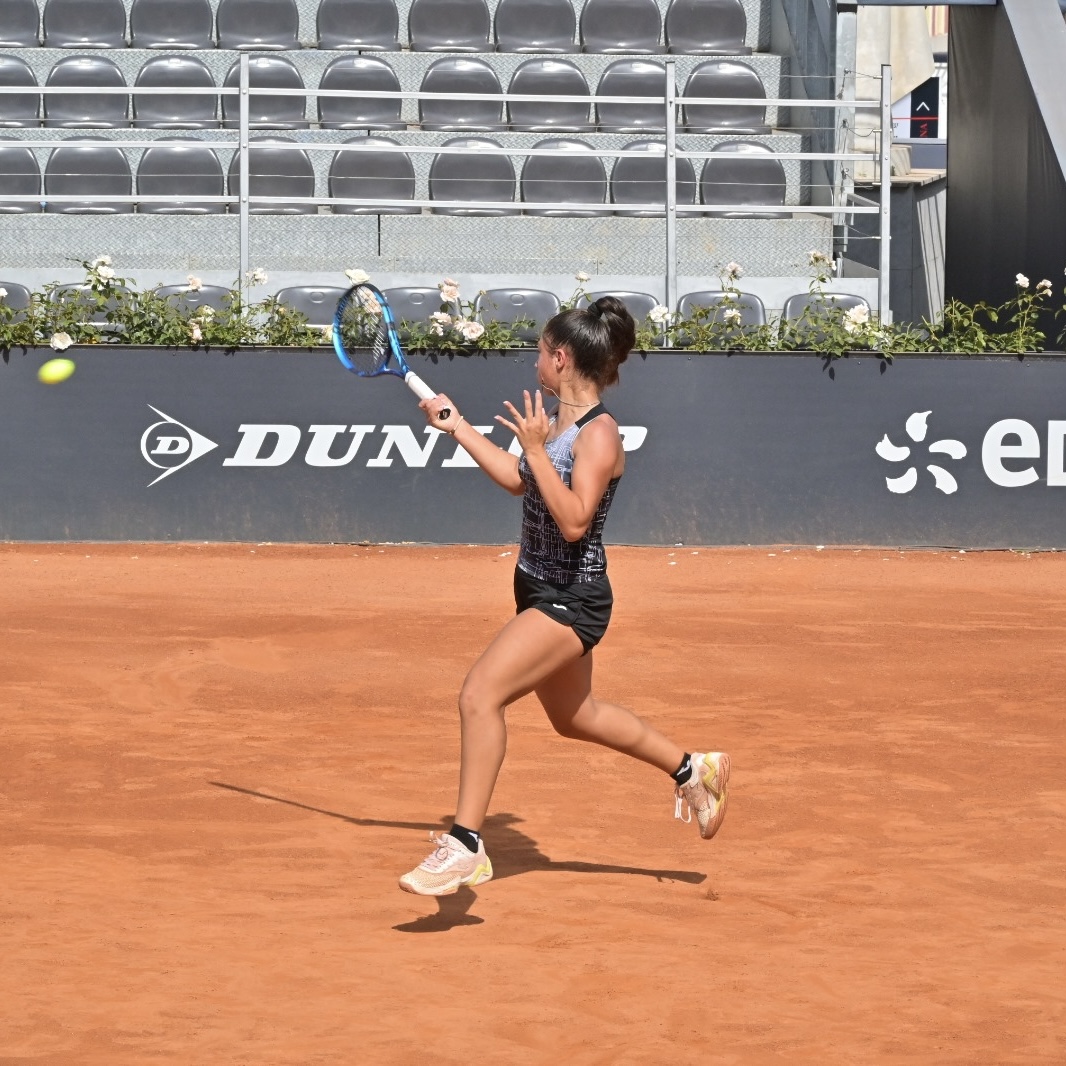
[{"x": 55, "y": 371}]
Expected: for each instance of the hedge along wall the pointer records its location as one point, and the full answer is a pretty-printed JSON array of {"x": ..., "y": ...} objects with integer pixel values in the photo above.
[{"x": 277, "y": 445}]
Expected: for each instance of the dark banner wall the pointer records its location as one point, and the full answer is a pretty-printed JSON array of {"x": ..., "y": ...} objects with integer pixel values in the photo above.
[{"x": 742, "y": 449}]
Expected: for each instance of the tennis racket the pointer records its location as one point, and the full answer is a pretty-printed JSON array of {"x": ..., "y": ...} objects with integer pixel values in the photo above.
[{"x": 367, "y": 343}]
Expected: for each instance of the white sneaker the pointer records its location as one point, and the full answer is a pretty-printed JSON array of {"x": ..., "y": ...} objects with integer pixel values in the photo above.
[
  {"x": 449, "y": 866},
  {"x": 706, "y": 793}
]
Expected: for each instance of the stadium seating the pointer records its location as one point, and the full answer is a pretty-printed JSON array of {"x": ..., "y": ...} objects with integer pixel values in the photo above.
[
  {"x": 180, "y": 168},
  {"x": 18, "y": 295},
  {"x": 175, "y": 111},
  {"x": 632, "y": 77},
  {"x": 100, "y": 169},
  {"x": 21, "y": 25},
  {"x": 267, "y": 111},
  {"x": 579, "y": 179},
  {"x": 359, "y": 74},
  {"x": 702, "y": 27},
  {"x": 461, "y": 74},
  {"x": 640, "y": 178},
  {"x": 187, "y": 299},
  {"x": 18, "y": 109},
  {"x": 84, "y": 24},
  {"x": 544, "y": 26},
  {"x": 746, "y": 175},
  {"x": 79, "y": 109},
  {"x": 801, "y": 313},
  {"x": 724, "y": 78},
  {"x": 258, "y": 24},
  {"x": 632, "y": 27},
  {"x": 412, "y": 304},
  {"x": 318, "y": 303},
  {"x": 364, "y": 171},
  {"x": 275, "y": 171},
  {"x": 513, "y": 305},
  {"x": 473, "y": 176},
  {"x": 187, "y": 24},
  {"x": 20, "y": 175},
  {"x": 450, "y": 26},
  {"x": 547, "y": 78},
  {"x": 362, "y": 25}
]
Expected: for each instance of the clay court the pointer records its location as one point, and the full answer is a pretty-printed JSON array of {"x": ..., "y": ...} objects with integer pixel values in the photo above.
[{"x": 218, "y": 760}]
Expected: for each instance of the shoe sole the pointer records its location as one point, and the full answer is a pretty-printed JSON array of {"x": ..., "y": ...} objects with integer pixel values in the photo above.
[
  {"x": 481, "y": 874},
  {"x": 721, "y": 794}
]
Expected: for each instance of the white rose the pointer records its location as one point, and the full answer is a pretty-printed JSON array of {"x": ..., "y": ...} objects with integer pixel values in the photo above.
[
  {"x": 449, "y": 289},
  {"x": 659, "y": 314},
  {"x": 581, "y": 276},
  {"x": 734, "y": 270},
  {"x": 357, "y": 277},
  {"x": 440, "y": 322},
  {"x": 195, "y": 283},
  {"x": 1044, "y": 286},
  {"x": 470, "y": 330},
  {"x": 817, "y": 258},
  {"x": 3, "y": 293},
  {"x": 257, "y": 276},
  {"x": 195, "y": 334},
  {"x": 327, "y": 334},
  {"x": 1021, "y": 281},
  {"x": 60, "y": 341},
  {"x": 857, "y": 316},
  {"x": 101, "y": 260},
  {"x": 206, "y": 310},
  {"x": 733, "y": 316},
  {"x": 105, "y": 272}
]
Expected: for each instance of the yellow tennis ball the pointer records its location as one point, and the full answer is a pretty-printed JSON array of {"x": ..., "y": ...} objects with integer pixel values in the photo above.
[{"x": 55, "y": 371}]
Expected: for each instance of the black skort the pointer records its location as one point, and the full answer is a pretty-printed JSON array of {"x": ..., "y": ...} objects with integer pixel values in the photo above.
[{"x": 584, "y": 606}]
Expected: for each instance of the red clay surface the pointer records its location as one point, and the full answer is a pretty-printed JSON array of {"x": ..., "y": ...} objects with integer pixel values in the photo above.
[{"x": 217, "y": 761}]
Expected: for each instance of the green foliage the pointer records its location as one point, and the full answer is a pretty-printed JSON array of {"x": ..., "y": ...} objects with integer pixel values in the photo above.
[{"x": 106, "y": 308}]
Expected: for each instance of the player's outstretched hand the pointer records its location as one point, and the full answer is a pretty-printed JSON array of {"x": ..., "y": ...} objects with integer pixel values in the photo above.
[{"x": 531, "y": 425}]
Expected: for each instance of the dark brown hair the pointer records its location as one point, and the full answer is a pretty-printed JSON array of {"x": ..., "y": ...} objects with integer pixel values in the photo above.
[{"x": 599, "y": 337}]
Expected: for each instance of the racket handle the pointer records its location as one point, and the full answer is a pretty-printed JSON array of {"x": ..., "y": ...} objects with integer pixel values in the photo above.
[{"x": 424, "y": 392}]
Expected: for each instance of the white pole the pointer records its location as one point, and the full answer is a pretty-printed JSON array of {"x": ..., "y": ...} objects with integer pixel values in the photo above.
[
  {"x": 245, "y": 182},
  {"x": 885, "y": 267},
  {"x": 671, "y": 186}
]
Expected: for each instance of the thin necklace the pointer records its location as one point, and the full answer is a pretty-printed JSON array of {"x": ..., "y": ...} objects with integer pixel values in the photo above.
[{"x": 567, "y": 402}]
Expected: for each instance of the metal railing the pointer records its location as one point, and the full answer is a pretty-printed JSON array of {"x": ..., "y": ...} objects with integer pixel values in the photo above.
[{"x": 842, "y": 206}]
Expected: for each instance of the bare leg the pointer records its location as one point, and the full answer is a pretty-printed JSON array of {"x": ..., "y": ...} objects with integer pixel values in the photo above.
[
  {"x": 528, "y": 649},
  {"x": 566, "y": 696}
]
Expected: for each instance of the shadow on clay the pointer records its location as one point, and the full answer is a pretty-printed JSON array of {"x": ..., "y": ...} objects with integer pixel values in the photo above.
[{"x": 512, "y": 853}]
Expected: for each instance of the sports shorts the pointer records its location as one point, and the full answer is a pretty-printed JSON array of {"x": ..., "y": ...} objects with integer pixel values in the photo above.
[{"x": 584, "y": 606}]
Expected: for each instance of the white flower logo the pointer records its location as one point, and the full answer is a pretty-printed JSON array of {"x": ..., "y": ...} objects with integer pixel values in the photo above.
[{"x": 917, "y": 426}]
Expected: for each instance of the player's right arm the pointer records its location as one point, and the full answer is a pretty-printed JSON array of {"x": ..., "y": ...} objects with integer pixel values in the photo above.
[{"x": 498, "y": 463}]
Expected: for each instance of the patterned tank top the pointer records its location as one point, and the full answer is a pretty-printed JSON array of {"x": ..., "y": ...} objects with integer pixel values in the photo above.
[{"x": 545, "y": 553}]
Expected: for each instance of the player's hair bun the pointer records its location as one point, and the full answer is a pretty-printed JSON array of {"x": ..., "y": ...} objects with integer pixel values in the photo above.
[{"x": 599, "y": 337}]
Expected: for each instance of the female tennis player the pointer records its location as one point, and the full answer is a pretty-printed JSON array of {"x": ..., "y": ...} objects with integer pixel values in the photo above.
[{"x": 568, "y": 471}]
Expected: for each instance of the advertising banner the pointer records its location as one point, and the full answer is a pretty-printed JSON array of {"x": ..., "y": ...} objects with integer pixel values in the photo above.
[{"x": 258, "y": 446}]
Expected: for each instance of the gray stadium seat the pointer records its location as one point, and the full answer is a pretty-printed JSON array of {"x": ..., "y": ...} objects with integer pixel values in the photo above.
[
  {"x": 87, "y": 171},
  {"x": 354, "y": 73},
  {"x": 800, "y": 315},
  {"x": 20, "y": 175},
  {"x": 460, "y": 74},
  {"x": 545, "y": 26},
  {"x": 175, "y": 111},
  {"x": 724, "y": 78},
  {"x": 317, "y": 302},
  {"x": 366, "y": 25},
  {"x": 632, "y": 77},
  {"x": 472, "y": 176},
  {"x": 180, "y": 168},
  {"x": 18, "y": 109},
  {"x": 171, "y": 24},
  {"x": 258, "y": 24},
  {"x": 20, "y": 26},
  {"x": 275, "y": 171},
  {"x": 548, "y": 77},
  {"x": 639, "y": 303},
  {"x": 18, "y": 296},
  {"x": 80, "y": 109},
  {"x": 580, "y": 179},
  {"x": 84, "y": 24},
  {"x": 365, "y": 172},
  {"x": 703, "y": 27},
  {"x": 83, "y": 298},
  {"x": 214, "y": 296},
  {"x": 412, "y": 304},
  {"x": 714, "y": 303},
  {"x": 746, "y": 175},
  {"x": 632, "y": 27},
  {"x": 266, "y": 111},
  {"x": 510, "y": 305},
  {"x": 641, "y": 179},
  {"x": 450, "y": 26}
]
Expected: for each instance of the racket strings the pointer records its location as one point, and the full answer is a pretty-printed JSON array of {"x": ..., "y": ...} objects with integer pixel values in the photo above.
[{"x": 364, "y": 332}]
